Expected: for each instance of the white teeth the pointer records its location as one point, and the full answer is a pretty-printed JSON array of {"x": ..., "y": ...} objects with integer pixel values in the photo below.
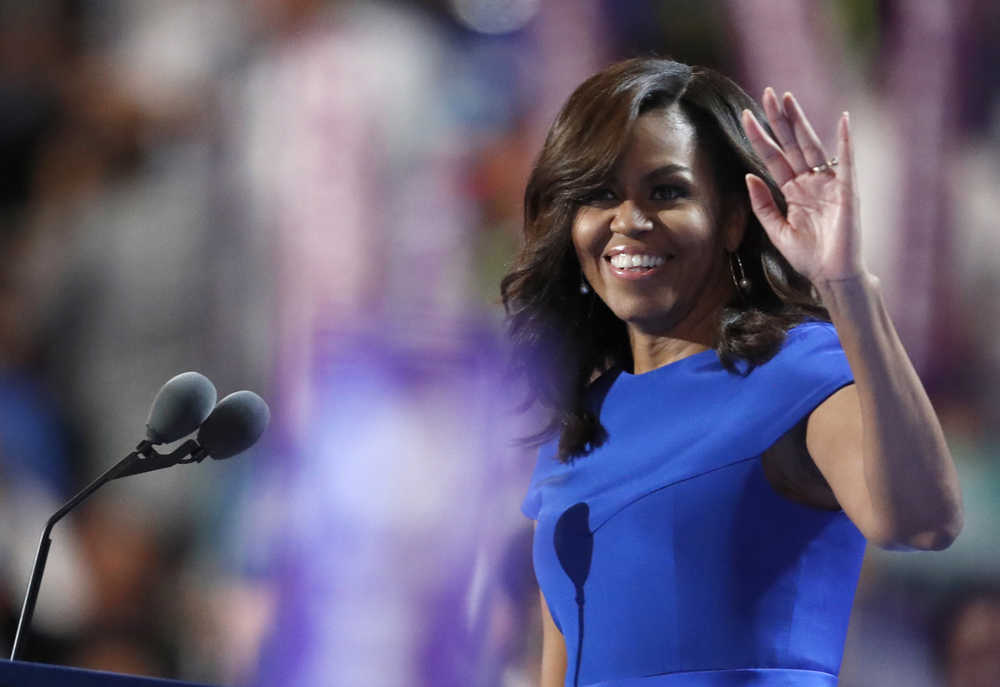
[{"x": 624, "y": 261}]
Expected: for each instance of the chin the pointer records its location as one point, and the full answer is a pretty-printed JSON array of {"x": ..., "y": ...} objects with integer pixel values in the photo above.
[
  {"x": 642, "y": 310},
  {"x": 657, "y": 320}
]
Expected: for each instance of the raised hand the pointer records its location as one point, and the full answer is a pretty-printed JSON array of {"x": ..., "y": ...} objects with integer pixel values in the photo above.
[{"x": 820, "y": 233}]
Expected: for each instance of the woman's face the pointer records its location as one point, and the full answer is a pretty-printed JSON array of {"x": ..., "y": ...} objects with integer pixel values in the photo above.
[{"x": 650, "y": 241}]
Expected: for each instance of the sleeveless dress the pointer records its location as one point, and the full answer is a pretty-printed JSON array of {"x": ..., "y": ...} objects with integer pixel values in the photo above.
[{"x": 665, "y": 556}]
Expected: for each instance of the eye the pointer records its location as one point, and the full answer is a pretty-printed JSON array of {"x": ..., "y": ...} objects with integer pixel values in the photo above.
[
  {"x": 668, "y": 192},
  {"x": 600, "y": 196}
]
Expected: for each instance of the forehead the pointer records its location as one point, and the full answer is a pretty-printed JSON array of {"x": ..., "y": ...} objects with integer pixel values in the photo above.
[{"x": 660, "y": 137}]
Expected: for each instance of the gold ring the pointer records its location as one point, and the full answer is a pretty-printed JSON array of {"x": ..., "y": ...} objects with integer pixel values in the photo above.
[{"x": 826, "y": 166}]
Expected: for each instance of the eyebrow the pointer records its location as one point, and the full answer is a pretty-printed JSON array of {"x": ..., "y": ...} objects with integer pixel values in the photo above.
[
  {"x": 666, "y": 169},
  {"x": 661, "y": 171}
]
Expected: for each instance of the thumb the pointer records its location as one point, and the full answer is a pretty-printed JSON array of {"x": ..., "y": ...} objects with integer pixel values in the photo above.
[{"x": 763, "y": 204}]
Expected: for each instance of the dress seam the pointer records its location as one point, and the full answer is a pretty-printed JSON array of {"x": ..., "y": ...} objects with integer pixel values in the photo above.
[
  {"x": 673, "y": 483},
  {"x": 739, "y": 670}
]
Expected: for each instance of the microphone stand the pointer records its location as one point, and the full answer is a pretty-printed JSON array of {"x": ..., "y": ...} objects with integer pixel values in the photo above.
[{"x": 143, "y": 459}]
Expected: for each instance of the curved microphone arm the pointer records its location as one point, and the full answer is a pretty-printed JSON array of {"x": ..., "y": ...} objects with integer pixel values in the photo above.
[
  {"x": 143, "y": 459},
  {"x": 188, "y": 452}
]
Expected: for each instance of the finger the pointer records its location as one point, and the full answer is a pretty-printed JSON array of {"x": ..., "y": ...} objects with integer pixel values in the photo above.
[
  {"x": 812, "y": 148},
  {"x": 845, "y": 150},
  {"x": 763, "y": 205},
  {"x": 768, "y": 151},
  {"x": 783, "y": 131}
]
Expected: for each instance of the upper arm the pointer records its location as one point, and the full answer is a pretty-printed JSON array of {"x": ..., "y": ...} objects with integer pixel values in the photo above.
[
  {"x": 553, "y": 650},
  {"x": 834, "y": 440}
]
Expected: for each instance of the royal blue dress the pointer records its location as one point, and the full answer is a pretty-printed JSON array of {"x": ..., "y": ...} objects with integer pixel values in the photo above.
[{"x": 670, "y": 550}]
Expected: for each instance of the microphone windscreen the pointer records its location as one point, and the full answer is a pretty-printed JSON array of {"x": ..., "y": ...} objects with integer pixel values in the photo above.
[
  {"x": 574, "y": 543},
  {"x": 235, "y": 425},
  {"x": 180, "y": 406}
]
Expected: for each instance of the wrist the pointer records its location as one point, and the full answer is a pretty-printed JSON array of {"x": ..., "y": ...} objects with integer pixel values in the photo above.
[
  {"x": 862, "y": 279},
  {"x": 843, "y": 296}
]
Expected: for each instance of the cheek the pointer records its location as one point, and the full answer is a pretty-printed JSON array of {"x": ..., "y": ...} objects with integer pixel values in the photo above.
[
  {"x": 589, "y": 237},
  {"x": 693, "y": 230}
]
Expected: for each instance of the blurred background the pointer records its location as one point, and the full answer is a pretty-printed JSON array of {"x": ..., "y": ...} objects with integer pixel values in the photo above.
[{"x": 316, "y": 200}]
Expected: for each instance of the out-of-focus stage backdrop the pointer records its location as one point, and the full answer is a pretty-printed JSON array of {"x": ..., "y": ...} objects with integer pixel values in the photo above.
[{"x": 316, "y": 200}]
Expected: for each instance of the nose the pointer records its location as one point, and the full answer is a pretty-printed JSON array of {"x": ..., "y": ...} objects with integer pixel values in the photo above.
[{"x": 629, "y": 219}]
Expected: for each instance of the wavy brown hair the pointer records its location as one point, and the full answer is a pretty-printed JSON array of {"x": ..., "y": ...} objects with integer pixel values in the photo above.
[{"x": 564, "y": 338}]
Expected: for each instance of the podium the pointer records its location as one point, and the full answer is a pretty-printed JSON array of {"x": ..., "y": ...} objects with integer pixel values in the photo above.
[{"x": 22, "y": 674}]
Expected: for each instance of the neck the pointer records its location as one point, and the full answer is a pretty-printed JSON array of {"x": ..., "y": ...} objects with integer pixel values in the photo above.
[
  {"x": 650, "y": 351},
  {"x": 656, "y": 347}
]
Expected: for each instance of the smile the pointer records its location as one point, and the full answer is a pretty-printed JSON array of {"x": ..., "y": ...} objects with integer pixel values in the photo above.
[
  {"x": 625, "y": 261},
  {"x": 633, "y": 266}
]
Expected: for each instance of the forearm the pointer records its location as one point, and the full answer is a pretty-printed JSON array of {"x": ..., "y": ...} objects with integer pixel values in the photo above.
[{"x": 908, "y": 470}]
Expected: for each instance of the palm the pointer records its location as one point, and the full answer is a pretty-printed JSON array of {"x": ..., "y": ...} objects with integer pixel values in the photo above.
[{"x": 819, "y": 233}]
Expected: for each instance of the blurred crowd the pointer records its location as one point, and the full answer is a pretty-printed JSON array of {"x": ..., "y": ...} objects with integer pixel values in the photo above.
[{"x": 316, "y": 200}]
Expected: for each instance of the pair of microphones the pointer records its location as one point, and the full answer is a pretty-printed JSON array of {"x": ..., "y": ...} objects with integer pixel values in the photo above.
[
  {"x": 187, "y": 403},
  {"x": 184, "y": 405}
]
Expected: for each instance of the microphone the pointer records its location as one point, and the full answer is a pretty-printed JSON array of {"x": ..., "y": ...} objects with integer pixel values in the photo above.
[
  {"x": 235, "y": 425},
  {"x": 182, "y": 405},
  {"x": 179, "y": 408},
  {"x": 574, "y": 544}
]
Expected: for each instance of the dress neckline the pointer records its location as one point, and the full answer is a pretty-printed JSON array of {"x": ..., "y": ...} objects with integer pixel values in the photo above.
[{"x": 625, "y": 374}]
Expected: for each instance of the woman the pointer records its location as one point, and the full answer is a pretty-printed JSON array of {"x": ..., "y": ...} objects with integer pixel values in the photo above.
[{"x": 732, "y": 413}]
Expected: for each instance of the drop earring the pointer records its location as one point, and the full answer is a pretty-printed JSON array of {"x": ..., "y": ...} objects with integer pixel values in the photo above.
[
  {"x": 740, "y": 280},
  {"x": 586, "y": 295}
]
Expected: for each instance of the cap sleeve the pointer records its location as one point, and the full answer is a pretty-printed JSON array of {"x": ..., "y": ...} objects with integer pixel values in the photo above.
[
  {"x": 547, "y": 471},
  {"x": 532, "y": 503},
  {"x": 810, "y": 367}
]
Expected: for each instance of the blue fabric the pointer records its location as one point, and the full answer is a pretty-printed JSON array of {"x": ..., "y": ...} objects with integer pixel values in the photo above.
[
  {"x": 756, "y": 677},
  {"x": 700, "y": 573}
]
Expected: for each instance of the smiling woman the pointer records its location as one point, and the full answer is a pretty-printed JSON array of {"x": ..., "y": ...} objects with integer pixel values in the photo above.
[
  {"x": 675, "y": 131},
  {"x": 732, "y": 415}
]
